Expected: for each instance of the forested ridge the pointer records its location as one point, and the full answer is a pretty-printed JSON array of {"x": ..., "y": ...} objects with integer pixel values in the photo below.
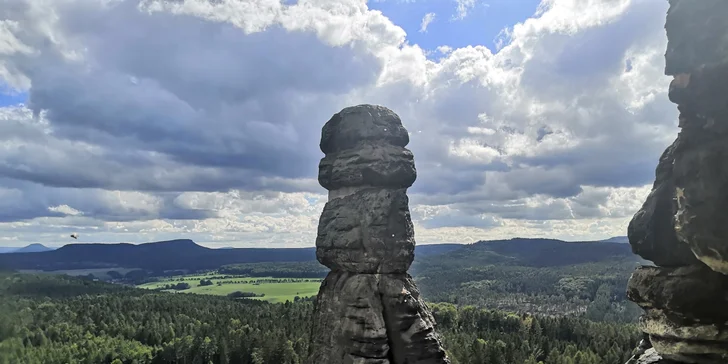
[
  {"x": 595, "y": 289},
  {"x": 155, "y": 256},
  {"x": 59, "y": 319},
  {"x": 160, "y": 256},
  {"x": 541, "y": 276}
]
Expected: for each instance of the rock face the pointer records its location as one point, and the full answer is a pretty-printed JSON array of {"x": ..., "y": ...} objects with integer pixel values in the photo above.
[
  {"x": 682, "y": 226},
  {"x": 652, "y": 229},
  {"x": 368, "y": 310}
]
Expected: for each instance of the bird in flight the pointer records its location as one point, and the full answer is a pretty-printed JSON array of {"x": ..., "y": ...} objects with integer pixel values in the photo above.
[{"x": 75, "y": 236}]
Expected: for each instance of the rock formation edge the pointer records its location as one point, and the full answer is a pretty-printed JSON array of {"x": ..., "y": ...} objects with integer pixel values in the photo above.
[
  {"x": 368, "y": 310},
  {"x": 681, "y": 226}
]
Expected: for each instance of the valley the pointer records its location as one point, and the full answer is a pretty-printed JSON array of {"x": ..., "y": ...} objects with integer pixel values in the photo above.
[
  {"x": 525, "y": 301},
  {"x": 538, "y": 276},
  {"x": 53, "y": 319}
]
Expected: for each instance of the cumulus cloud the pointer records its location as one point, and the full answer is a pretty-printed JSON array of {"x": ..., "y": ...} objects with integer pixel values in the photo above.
[{"x": 154, "y": 119}]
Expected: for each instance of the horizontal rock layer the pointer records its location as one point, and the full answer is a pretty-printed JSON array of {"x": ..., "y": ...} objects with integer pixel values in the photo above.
[
  {"x": 375, "y": 164},
  {"x": 369, "y": 231},
  {"x": 694, "y": 292},
  {"x": 360, "y": 125},
  {"x": 692, "y": 352},
  {"x": 685, "y": 312},
  {"x": 650, "y": 356}
]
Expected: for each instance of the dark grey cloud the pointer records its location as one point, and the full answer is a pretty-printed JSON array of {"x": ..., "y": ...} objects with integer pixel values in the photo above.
[
  {"x": 176, "y": 91},
  {"x": 21, "y": 200},
  {"x": 62, "y": 163}
]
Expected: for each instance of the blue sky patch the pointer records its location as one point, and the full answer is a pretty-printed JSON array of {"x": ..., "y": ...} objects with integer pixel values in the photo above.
[
  {"x": 10, "y": 97},
  {"x": 481, "y": 26}
]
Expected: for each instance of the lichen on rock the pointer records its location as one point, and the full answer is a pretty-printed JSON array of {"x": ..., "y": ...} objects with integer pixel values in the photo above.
[{"x": 368, "y": 310}]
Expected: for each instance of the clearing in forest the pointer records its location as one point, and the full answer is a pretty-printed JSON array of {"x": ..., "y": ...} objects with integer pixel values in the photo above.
[{"x": 267, "y": 288}]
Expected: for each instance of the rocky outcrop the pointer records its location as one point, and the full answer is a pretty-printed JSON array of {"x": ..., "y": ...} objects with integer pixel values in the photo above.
[
  {"x": 652, "y": 229},
  {"x": 682, "y": 225},
  {"x": 685, "y": 311},
  {"x": 649, "y": 356},
  {"x": 368, "y": 310}
]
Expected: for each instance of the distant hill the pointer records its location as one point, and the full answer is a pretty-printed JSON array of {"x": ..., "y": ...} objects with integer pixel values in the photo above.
[
  {"x": 186, "y": 254},
  {"x": 166, "y": 255},
  {"x": 435, "y": 249},
  {"x": 617, "y": 239},
  {"x": 545, "y": 252},
  {"x": 33, "y": 248},
  {"x": 544, "y": 276},
  {"x": 420, "y": 250},
  {"x": 537, "y": 253},
  {"x": 156, "y": 256}
]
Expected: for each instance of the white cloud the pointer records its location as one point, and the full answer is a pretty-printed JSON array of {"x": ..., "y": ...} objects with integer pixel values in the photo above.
[
  {"x": 66, "y": 210},
  {"x": 426, "y": 21},
  {"x": 201, "y": 119},
  {"x": 444, "y": 49},
  {"x": 463, "y": 8}
]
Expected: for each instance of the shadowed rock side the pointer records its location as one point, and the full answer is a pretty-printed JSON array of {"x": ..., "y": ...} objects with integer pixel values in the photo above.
[
  {"x": 682, "y": 225},
  {"x": 652, "y": 229},
  {"x": 368, "y": 310}
]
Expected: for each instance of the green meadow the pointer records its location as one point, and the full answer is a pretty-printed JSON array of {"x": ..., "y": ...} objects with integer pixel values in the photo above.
[{"x": 274, "y": 289}]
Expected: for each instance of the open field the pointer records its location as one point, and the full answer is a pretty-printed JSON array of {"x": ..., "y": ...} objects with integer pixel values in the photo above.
[
  {"x": 100, "y": 273},
  {"x": 274, "y": 289}
]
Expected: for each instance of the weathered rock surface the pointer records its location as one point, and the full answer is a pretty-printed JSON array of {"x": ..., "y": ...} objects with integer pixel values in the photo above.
[
  {"x": 348, "y": 325},
  {"x": 368, "y": 165},
  {"x": 697, "y": 57},
  {"x": 410, "y": 324},
  {"x": 369, "y": 231},
  {"x": 693, "y": 293},
  {"x": 682, "y": 225},
  {"x": 368, "y": 310},
  {"x": 652, "y": 229},
  {"x": 685, "y": 311},
  {"x": 361, "y": 125},
  {"x": 650, "y": 356},
  {"x": 696, "y": 33}
]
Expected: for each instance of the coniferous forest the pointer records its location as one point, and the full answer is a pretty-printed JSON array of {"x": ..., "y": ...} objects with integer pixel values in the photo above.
[{"x": 49, "y": 319}]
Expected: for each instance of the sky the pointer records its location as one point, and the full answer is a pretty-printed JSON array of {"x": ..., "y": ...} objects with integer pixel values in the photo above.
[{"x": 146, "y": 120}]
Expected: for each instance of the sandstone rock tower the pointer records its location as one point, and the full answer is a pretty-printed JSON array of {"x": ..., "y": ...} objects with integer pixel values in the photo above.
[
  {"x": 368, "y": 310},
  {"x": 683, "y": 225}
]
